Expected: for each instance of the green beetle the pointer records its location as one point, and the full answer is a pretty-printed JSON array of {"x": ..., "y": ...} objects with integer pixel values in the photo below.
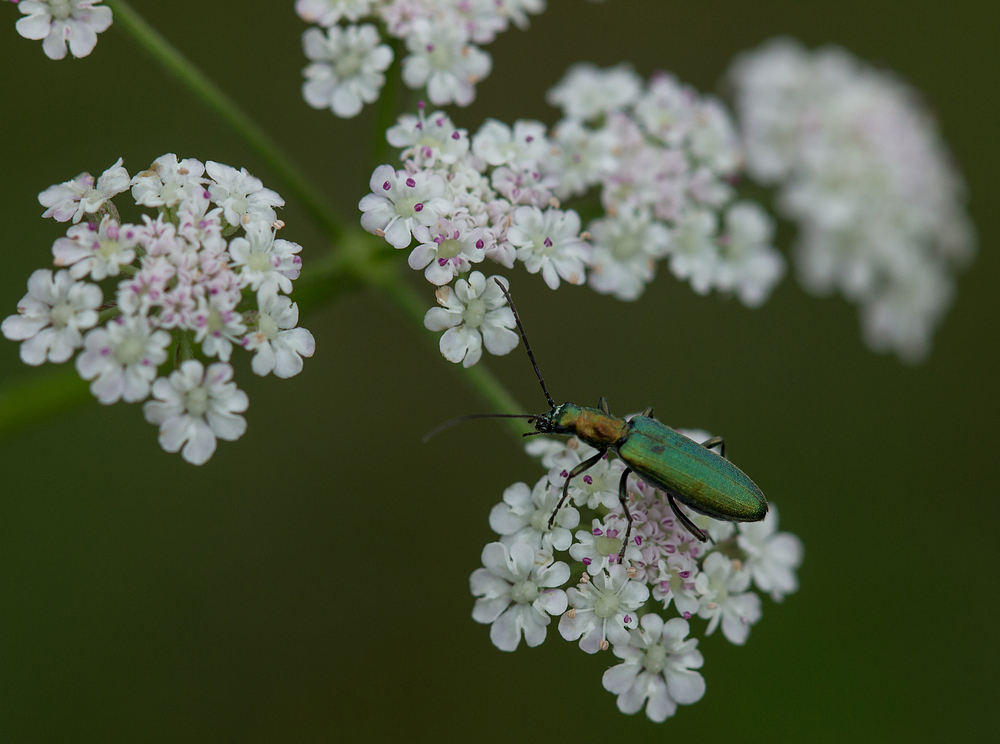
[
  {"x": 681, "y": 468},
  {"x": 665, "y": 459}
]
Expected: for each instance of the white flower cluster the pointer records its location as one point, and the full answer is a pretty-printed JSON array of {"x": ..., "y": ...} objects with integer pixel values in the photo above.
[
  {"x": 466, "y": 201},
  {"x": 182, "y": 286},
  {"x": 664, "y": 158},
  {"x": 441, "y": 36},
  {"x": 63, "y": 23},
  {"x": 617, "y": 604},
  {"x": 661, "y": 156},
  {"x": 863, "y": 171}
]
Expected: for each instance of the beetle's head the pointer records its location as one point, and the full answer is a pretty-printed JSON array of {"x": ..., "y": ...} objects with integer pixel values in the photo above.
[{"x": 553, "y": 421}]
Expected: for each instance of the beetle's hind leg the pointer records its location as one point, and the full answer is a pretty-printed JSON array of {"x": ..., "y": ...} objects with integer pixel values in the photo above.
[
  {"x": 585, "y": 465},
  {"x": 623, "y": 498},
  {"x": 715, "y": 442},
  {"x": 685, "y": 520}
]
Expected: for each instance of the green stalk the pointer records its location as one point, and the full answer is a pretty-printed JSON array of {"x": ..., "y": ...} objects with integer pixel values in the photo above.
[
  {"x": 226, "y": 109},
  {"x": 359, "y": 259}
]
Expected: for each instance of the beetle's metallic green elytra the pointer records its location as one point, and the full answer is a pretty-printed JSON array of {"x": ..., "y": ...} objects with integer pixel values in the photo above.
[{"x": 665, "y": 459}]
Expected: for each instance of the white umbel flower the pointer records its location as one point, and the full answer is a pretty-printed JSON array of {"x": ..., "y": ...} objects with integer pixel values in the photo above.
[
  {"x": 724, "y": 597},
  {"x": 83, "y": 195},
  {"x": 587, "y": 92},
  {"x": 265, "y": 264},
  {"x": 195, "y": 406},
  {"x": 328, "y": 12},
  {"x": 657, "y": 669},
  {"x": 549, "y": 242},
  {"x": 427, "y": 140},
  {"x": 864, "y": 173},
  {"x": 400, "y": 201},
  {"x": 625, "y": 250},
  {"x": 243, "y": 198},
  {"x": 694, "y": 254},
  {"x": 749, "y": 266},
  {"x": 217, "y": 325},
  {"x": 278, "y": 344},
  {"x": 475, "y": 313},
  {"x": 51, "y": 316},
  {"x": 62, "y": 23},
  {"x": 97, "y": 250},
  {"x": 447, "y": 249},
  {"x": 598, "y": 549},
  {"x": 603, "y": 610},
  {"x": 122, "y": 358},
  {"x": 168, "y": 181},
  {"x": 347, "y": 69},
  {"x": 523, "y": 516},
  {"x": 772, "y": 556},
  {"x": 517, "y": 594},
  {"x": 522, "y": 146},
  {"x": 441, "y": 57}
]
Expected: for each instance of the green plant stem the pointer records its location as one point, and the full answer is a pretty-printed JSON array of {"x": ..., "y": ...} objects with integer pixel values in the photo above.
[
  {"x": 359, "y": 259},
  {"x": 385, "y": 276},
  {"x": 212, "y": 96},
  {"x": 41, "y": 397}
]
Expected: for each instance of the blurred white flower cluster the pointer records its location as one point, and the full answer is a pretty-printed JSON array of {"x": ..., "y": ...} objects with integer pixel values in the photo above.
[
  {"x": 442, "y": 38},
  {"x": 664, "y": 158},
  {"x": 660, "y": 156},
  {"x": 622, "y": 606},
  {"x": 864, "y": 173},
  {"x": 62, "y": 24},
  {"x": 205, "y": 274}
]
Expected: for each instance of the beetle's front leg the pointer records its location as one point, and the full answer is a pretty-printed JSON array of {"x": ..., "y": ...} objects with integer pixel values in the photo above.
[
  {"x": 715, "y": 442},
  {"x": 623, "y": 498},
  {"x": 585, "y": 465}
]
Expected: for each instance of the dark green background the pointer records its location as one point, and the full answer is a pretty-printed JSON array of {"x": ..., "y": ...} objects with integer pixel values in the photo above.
[{"x": 311, "y": 582}]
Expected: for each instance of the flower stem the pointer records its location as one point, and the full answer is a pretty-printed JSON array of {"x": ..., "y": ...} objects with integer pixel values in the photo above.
[
  {"x": 212, "y": 96},
  {"x": 384, "y": 276},
  {"x": 358, "y": 259},
  {"x": 38, "y": 398}
]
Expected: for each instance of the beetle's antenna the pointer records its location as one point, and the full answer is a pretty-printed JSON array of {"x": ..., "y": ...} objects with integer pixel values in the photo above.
[
  {"x": 468, "y": 417},
  {"x": 527, "y": 346}
]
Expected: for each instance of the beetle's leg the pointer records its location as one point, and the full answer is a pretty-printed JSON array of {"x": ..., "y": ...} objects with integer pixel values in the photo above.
[
  {"x": 715, "y": 442},
  {"x": 688, "y": 524},
  {"x": 623, "y": 498},
  {"x": 585, "y": 465},
  {"x": 648, "y": 413},
  {"x": 603, "y": 404}
]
